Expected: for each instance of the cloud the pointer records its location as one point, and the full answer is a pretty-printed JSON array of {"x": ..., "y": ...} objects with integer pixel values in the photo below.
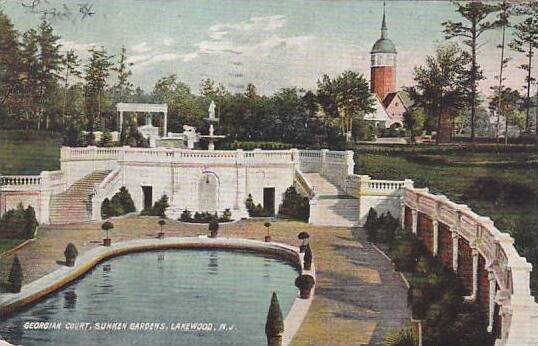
[
  {"x": 254, "y": 24},
  {"x": 142, "y": 47},
  {"x": 80, "y": 48}
]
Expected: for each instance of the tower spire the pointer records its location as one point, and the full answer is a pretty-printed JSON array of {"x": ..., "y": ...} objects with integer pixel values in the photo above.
[{"x": 384, "y": 31}]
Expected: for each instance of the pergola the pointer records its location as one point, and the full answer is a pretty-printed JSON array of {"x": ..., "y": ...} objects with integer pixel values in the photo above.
[{"x": 143, "y": 108}]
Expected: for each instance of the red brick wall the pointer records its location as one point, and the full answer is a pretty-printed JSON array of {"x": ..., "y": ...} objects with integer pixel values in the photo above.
[
  {"x": 445, "y": 244},
  {"x": 425, "y": 231},
  {"x": 483, "y": 285},
  {"x": 408, "y": 221},
  {"x": 497, "y": 319},
  {"x": 465, "y": 265},
  {"x": 382, "y": 81}
]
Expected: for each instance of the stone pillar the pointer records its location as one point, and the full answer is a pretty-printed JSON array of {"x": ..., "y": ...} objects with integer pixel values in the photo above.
[
  {"x": 350, "y": 162},
  {"x": 323, "y": 159},
  {"x": 402, "y": 214},
  {"x": 491, "y": 311},
  {"x": 473, "y": 295},
  {"x": 455, "y": 248},
  {"x": 435, "y": 226},
  {"x": 414, "y": 224},
  {"x": 165, "y": 126},
  {"x": 120, "y": 125}
]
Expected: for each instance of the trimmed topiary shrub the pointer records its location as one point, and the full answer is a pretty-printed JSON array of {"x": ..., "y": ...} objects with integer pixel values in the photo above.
[
  {"x": 226, "y": 215},
  {"x": 70, "y": 254},
  {"x": 213, "y": 228},
  {"x": 186, "y": 216},
  {"x": 294, "y": 205},
  {"x": 15, "y": 276},
  {"x": 120, "y": 204},
  {"x": 305, "y": 283},
  {"x": 371, "y": 225},
  {"x": 307, "y": 258},
  {"x": 274, "y": 325},
  {"x": 106, "y": 227},
  {"x": 158, "y": 209}
]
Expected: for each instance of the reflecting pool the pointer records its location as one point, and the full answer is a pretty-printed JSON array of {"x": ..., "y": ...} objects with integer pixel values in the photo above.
[{"x": 170, "y": 297}]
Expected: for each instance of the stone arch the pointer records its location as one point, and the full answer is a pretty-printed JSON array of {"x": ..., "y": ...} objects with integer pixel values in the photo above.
[{"x": 208, "y": 192}]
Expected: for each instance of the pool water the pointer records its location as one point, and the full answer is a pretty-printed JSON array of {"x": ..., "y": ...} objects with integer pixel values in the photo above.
[{"x": 171, "y": 297}]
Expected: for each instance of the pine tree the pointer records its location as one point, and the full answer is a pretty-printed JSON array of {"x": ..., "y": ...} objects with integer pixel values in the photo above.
[
  {"x": 29, "y": 92},
  {"x": 474, "y": 13},
  {"x": 9, "y": 60},
  {"x": 123, "y": 87},
  {"x": 526, "y": 41},
  {"x": 71, "y": 64},
  {"x": 50, "y": 67},
  {"x": 97, "y": 71}
]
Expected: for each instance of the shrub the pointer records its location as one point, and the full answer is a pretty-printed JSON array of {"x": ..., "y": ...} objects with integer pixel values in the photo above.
[
  {"x": 19, "y": 223},
  {"x": 106, "y": 139},
  {"x": 371, "y": 225},
  {"x": 158, "y": 209},
  {"x": 500, "y": 191},
  {"x": 15, "y": 276},
  {"x": 274, "y": 325},
  {"x": 213, "y": 225},
  {"x": 294, "y": 205},
  {"x": 304, "y": 281},
  {"x": 226, "y": 215},
  {"x": 70, "y": 254},
  {"x": 120, "y": 204},
  {"x": 308, "y": 258},
  {"x": 253, "y": 209},
  {"x": 401, "y": 337}
]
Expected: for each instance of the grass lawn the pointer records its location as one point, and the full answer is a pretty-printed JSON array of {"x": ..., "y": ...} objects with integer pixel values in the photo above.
[
  {"x": 458, "y": 183},
  {"x": 29, "y": 152}
]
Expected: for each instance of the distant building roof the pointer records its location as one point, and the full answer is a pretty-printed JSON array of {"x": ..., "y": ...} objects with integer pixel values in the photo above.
[{"x": 379, "y": 114}]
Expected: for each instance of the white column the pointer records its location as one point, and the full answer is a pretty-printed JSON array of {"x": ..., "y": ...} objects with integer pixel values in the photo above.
[
  {"x": 435, "y": 224},
  {"x": 414, "y": 213},
  {"x": 121, "y": 122},
  {"x": 402, "y": 214},
  {"x": 455, "y": 249},
  {"x": 491, "y": 312},
  {"x": 165, "y": 127},
  {"x": 474, "y": 252}
]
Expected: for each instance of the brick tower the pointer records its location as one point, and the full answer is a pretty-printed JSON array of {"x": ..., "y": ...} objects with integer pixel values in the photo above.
[{"x": 383, "y": 64}]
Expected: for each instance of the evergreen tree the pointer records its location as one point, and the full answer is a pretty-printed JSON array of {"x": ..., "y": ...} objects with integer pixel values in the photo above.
[
  {"x": 71, "y": 64},
  {"x": 15, "y": 276},
  {"x": 123, "y": 87},
  {"x": 50, "y": 67},
  {"x": 97, "y": 70},
  {"x": 526, "y": 41},
  {"x": 470, "y": 30},
  {"x": 30, "y": 75},
  {"x": 274, "y": 324},
  {"x": 9, "y": 60}
]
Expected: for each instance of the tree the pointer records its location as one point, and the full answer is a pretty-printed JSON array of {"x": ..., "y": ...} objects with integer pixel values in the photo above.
[
  {"x": 123, "y": 87},
  {"x": 346, "y": 97},
  {"x": 274, "y": 325},
  {"x": 71, "y": 64},
  {"x": 440, "y": 87},
  {"x": 9, "y": 60},
  {"x": 97, "y": 70},
  {"x": 504, "y": 22},
  {"x": 526, "y": 41},
  {"x": 15, "y": 276},
  {"x": 29, "y": 91},
  {"x": 512, "y": 103},
  {"x": 413, "y": 119},
  {"x": 50, "y": 66},
  {"x": 474, "y": 14}
]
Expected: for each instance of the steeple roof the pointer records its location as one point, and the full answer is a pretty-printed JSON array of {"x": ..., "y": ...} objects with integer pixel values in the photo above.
[{"x": 384, "y": 44}]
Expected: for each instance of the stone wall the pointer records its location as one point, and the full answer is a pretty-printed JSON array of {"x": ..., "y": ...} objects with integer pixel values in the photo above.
[{"x": 489, "y": 267}]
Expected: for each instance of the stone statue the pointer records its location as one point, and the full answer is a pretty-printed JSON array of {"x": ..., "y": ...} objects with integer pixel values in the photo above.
[{"x": 212, "y": 107}]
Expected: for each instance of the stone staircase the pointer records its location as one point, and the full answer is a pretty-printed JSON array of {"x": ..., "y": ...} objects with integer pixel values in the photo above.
[
  {"x": 331, "y": 206},
  {"x": 73, "y": 205}
]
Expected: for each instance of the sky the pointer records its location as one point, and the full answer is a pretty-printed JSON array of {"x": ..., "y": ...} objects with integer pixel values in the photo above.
[{"x": 270, "y": 43}]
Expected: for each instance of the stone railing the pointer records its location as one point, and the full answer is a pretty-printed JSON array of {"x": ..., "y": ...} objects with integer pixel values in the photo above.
[
  {"x": 335, "y": 166},
  {"x": 361, "y": 185},
  {"x": 20, "y": 182},
  {"x": 505, "y": 271},
  {"x": 303, "y": 185}
]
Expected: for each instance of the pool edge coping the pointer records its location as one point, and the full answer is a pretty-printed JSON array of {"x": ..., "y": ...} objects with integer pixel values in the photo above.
[{"x": 38, "y": 289}]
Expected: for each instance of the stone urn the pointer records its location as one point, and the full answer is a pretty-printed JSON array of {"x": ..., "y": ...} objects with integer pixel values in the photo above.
[
  {"x": 267, "y": 238},
  {"x": 160, "y": 235},
  {"x": 304, "y": 283},
  {"x": 107, "y": 242},
  {"x": 302, "y": 248}
]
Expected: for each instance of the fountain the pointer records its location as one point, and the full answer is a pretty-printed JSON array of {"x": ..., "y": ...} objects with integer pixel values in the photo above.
[{"x": 212, "y": 137}]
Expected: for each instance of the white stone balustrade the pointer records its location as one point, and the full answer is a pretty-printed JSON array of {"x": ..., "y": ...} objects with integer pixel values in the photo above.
[{"x": 510, "y": 271}]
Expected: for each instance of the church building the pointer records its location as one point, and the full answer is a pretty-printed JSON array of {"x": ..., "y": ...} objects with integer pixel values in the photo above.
[{"x": 390, "y": 104}]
